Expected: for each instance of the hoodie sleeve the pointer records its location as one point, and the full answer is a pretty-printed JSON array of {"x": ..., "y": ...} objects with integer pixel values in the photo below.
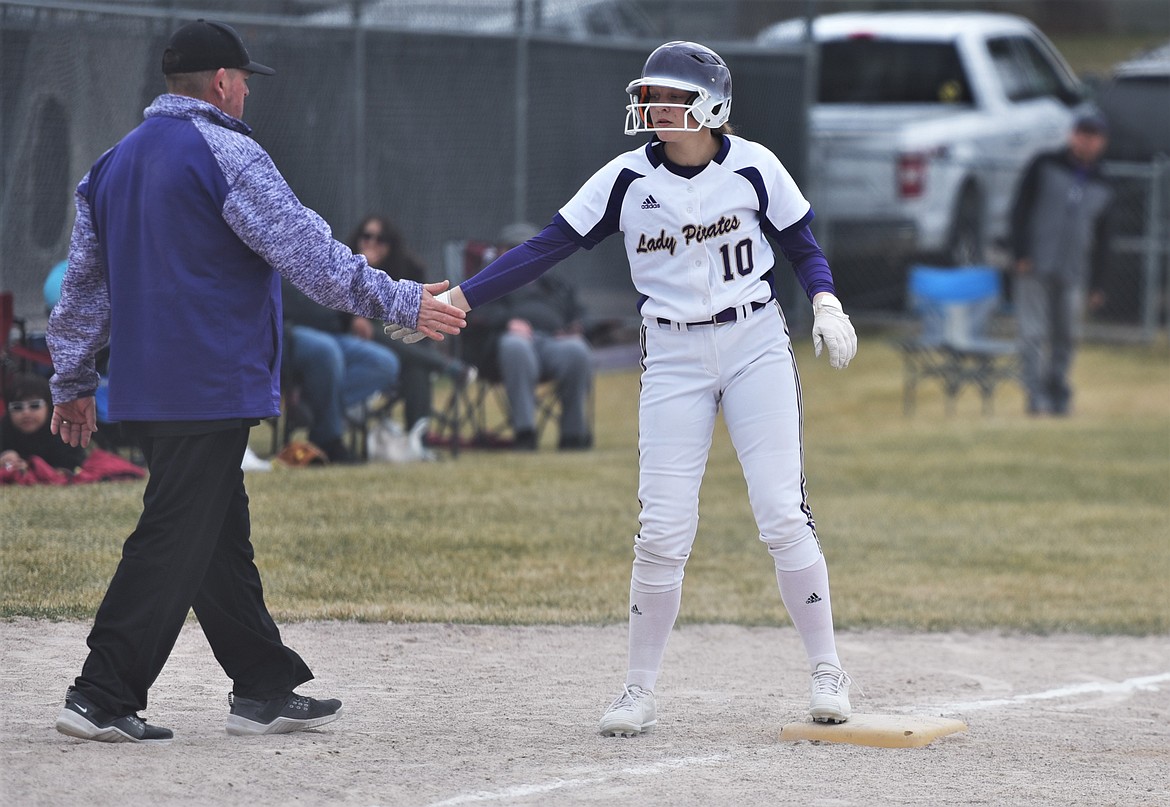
[
  {"x": 264, "y": 212},
  {"x": 79, "y": 325}
]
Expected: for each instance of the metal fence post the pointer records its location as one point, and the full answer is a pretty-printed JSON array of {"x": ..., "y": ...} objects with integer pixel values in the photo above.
[
  {"x": 1157, "y": 248},
  {"x": 525, "y": 15},
  {"x": 357, "y": 196}
]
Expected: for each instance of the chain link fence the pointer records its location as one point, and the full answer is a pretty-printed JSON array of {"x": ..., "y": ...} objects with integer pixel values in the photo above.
[
  {"x": 454, "y": 134},
  {"x": 451, "y": 135},
  {"x": 1136, "y": 287}
]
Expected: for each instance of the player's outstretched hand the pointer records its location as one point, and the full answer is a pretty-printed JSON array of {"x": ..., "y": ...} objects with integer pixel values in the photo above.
[
  {"x": 436, "y": 316},
  {"x": 832, "y": 329},
  {"x": 396, "y": 332}
]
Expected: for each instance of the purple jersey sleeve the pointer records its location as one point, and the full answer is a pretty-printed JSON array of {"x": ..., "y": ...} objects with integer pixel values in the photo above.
[
  {"x": 519, "y": 265},
  {"x": 807, "y": 259}
]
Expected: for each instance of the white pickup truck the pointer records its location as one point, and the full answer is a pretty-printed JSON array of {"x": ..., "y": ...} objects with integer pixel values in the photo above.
[{"x": 922, "y": 125}]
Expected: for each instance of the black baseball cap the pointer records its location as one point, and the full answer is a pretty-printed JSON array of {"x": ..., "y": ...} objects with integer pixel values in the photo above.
[
  {"x": 208, "y": 45},
  {"x": 1091, "y": 120}
]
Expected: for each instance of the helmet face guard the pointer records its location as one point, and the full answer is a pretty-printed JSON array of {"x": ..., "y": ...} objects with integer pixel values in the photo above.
[{"x": 682, "y": 66}]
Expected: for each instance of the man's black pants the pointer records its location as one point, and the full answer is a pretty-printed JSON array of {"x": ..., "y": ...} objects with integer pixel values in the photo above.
[{"x": 191, "y": 549}]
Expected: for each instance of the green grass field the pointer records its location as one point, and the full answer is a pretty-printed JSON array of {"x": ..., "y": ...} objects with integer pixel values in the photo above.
[
  {"x": 929, "y": 522},
  {"x": 1096, "y": 55}
]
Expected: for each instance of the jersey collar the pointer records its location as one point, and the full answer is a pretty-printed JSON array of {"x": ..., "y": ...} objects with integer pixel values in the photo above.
[{"x": 656, "y": 155}]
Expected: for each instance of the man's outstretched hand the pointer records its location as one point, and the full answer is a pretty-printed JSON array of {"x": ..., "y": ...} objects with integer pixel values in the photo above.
[{"x": 436, "y": 316}]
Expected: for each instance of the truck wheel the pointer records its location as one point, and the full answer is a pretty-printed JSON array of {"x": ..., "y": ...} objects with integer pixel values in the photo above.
[{"x": 966, "y": 242}]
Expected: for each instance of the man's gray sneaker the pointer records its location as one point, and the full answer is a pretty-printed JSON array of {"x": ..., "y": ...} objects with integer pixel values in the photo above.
[
  {"x": 81, "y": 718},
  {"x": 632, "y": 713},
  {"x": 291, "y": 712}
]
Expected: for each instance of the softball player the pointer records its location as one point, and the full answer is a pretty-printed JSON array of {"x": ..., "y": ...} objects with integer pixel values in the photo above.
[{"x": 694, "y": 206}]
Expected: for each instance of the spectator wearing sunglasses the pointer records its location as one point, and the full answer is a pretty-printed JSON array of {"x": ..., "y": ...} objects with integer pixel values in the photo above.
[
  {"x": 24, "y": 430},
  {"x": 385, "y": 248}
]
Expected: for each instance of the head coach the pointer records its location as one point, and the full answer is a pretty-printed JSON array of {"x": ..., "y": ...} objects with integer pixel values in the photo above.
[{"x": 182, "y": 233}]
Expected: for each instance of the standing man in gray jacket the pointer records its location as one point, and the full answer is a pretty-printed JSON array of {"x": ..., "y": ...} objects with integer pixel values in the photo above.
[
  {"x": 183, "y": 231},
  {"x": 1060, "y": 239}
]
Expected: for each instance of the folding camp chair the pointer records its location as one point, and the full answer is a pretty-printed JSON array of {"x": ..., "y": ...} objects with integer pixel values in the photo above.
[
  {"x": 358, "y": 420},
  {"x": 18, "y": 353},
  {"x": 955, "y": 309},
  {"x": 475, "y": 415}
]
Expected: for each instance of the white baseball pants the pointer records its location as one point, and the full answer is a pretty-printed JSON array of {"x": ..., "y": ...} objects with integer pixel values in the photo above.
[{"x": 747, "y": 369}]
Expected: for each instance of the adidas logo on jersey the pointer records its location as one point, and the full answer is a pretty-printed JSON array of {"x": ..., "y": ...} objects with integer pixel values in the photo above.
[
  {"x": 650, "y": 203},
  {"x": 634, "y": 610},
  {"x": 812, "y": 599}
]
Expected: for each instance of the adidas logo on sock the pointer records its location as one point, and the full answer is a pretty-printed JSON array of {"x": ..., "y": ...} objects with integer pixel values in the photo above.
[
  {"x": 650, "y": 203},
  {"x": 634, "y": 610},
  {"x": 813, "y": 598}
]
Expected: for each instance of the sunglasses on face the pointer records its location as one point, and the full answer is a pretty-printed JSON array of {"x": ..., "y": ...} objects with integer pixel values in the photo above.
[
  {"x": 372, "y": 236},
  {"x": 33, "y": 406}
]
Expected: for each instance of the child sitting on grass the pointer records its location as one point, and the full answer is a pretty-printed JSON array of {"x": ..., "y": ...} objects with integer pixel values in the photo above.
[
  {"x": 24, "y": 430},
  {"x": 31, "y": 455}
]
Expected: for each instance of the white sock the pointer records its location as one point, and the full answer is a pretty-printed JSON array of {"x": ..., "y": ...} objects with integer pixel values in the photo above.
[
  {"x": 806, "y": 596},
  {"x": 652, "y": 618}
]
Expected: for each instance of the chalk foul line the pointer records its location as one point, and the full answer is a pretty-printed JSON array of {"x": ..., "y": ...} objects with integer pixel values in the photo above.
[
  {"x": 517, "y": 791},
  {"x": 1128, "y": 686}
]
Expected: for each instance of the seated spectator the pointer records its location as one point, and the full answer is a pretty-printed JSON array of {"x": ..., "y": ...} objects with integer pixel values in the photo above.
[
  {"x": 532, "y": 335},
  {"x": 384, "y": 248},
  {"x": 335, "y": 369},
  {"x": 24, "y": 430}
]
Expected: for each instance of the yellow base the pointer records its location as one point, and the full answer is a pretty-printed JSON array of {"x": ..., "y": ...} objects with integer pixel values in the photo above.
[{"x": 882, "y": 731}]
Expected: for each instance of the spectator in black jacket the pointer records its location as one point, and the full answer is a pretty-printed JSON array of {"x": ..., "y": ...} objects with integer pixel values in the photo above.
[
  {"x": 535, "y": 334},
  {"x": 1060, "y": 236}
]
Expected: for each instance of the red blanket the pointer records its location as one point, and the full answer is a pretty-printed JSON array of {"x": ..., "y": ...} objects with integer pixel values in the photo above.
[{"x": 99, "y": 466}]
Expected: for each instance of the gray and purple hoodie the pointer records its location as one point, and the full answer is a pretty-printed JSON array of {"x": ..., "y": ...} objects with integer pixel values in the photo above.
[{"x": 181, "y": 231}]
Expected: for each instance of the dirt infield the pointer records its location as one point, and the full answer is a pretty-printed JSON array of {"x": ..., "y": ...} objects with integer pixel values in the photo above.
[{"x": 468, "y": 715}]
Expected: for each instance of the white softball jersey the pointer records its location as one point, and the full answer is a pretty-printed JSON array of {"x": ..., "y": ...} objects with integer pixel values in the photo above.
[{"x": 696, "y": 245}]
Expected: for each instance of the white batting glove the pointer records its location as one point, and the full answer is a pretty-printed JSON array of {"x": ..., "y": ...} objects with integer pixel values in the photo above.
[
  {"x": 409, "y": 335},
  {"x": 832, "y": 329}
]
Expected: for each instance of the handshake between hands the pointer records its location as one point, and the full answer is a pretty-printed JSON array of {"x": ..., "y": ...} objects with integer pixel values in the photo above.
[{"x": 437, "y": 315}]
